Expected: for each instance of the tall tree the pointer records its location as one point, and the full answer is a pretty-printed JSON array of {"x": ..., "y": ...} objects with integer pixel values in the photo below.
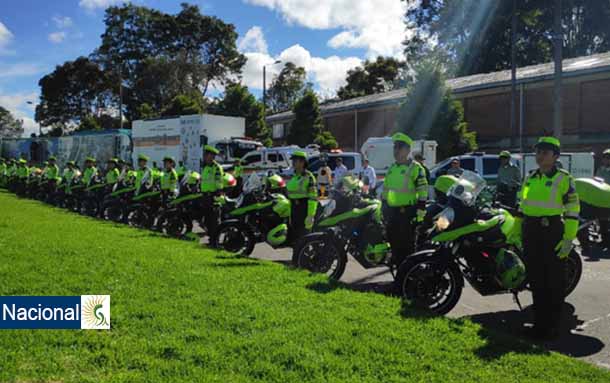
[
  {"x": 381, "y": 75},
  {"x": 430, "y": 112},
  {"x": 10, "y": 127},
  {"x": 237, "y": 101},
  {"x": 72, "y": 92},
  {"x": 307, "y": 124},
  {"x": 184, "y": 105},
  {"x": 139, "y": 42},
  {"x": 287, "y": 87},
  {"x": 474, "y": 36}
]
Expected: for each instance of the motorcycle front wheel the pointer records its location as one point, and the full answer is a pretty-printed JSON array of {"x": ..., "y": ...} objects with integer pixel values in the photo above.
[
  {"x": 138, "y": 218},
  {"x": 112, "y": 211},
  {"x": 234, "y": 238},
  {"x": 174, "y": 225},
  {"x": 318, "y": 253},
  {"x": 429, "y": 282},
  {"x": 573, "y": 271}
]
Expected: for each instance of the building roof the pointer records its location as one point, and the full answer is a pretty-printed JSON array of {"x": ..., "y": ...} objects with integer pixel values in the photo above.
[{"x": 579, "y": 66}]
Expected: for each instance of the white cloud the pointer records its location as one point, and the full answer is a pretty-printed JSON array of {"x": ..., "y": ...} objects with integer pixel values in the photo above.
[
  {"x": 92, "y": 5},
  {"x": 374, "y": 25},
  {"x": 18, "y": 106},
  {"x": 253, "y": 41},
  {"x": 19, "y": 70},
  {"x": 57, "y": 37},
  {"x": 5, "y": 38},
  {"x": 62, "y": 22},
  {"x": 328, "y": 74}
]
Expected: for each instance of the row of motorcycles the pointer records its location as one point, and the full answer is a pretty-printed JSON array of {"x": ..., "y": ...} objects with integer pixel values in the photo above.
[{"x": 464, "y": 236}]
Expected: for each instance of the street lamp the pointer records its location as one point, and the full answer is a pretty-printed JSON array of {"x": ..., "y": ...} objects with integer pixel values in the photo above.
[
  {"x": 265, "y": 87},
  {"x": 39, "y": 126}
]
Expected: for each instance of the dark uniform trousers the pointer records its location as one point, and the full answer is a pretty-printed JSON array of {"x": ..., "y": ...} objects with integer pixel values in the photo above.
[
  {"x": 298, "y": 213},
  {"x": 210, "y": 215},
  {"x": 401, "y": 231},
  {"x": 545, "y": 271}
]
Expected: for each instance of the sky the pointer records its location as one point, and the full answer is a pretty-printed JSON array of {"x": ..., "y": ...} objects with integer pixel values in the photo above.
[{"x": 326, "y": 37}]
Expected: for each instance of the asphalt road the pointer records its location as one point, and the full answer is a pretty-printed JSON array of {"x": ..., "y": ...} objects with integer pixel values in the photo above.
[{"x": 586, "y": 312}]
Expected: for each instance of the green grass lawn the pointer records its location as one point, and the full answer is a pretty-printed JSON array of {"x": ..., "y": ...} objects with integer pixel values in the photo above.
[{"x": 183, "y": 313}]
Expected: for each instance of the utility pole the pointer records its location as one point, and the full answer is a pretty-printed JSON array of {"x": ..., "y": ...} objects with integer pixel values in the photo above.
[
  {"x": 513, "y": 72},
  {"x": 121, "y": 96},
  {"x": 264, "y": 91},
  {"x": 557, "y": 92}
]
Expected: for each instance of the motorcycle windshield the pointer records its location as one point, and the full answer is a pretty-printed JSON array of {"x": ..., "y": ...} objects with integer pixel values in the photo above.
[
  {"x": 467, "y": 188},
  {"x": 253, "y": 182}
]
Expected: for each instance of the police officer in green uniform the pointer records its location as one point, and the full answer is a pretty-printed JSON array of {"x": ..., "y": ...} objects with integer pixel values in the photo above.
[
  {"x": 509, "y": 180},
  {"x": 405, "y": 192},
  {"x": 211, "y": 186},
  {"x": 90, "y": 171},
  {"x": 238, "y": 173},
  {"x": 169, "y": 178},
  {"x": 71, "y": 173},
  {"x": 303, "y": 194},
  {"x": 144, "y": 178},
  {"x": 3, "y": 172},
  {"x": 112, "y": 172},
  {"x": 51, "y": 174},
  {"x": 550, "y": 208}
]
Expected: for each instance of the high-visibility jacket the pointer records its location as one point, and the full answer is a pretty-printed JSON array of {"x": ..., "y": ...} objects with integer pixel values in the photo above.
[
  {"x": 212, "y": 178},
  {"x": 11, "y": 170},
  {"x": 238, "y": 171},
  {"x": 169, "y": 180},
  {"x": 89, "y": 174},
  {"x": 181, "y": 171},
  {"x": 51, "y": 172},
  {"x": 405, "y": 185},
  {"x": 303, "y": 186},
  {"x": 554, "y": 194},
  {"x": 144, "y": 175},
  {"x": 112, "y": 176},
  {"x": 3, "y": 169},
  {"x": 23, "y": 172}
]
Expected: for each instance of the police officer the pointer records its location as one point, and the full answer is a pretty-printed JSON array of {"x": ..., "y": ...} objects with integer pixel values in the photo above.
[
  {"x": 169, "y": 178},
  {"x": 144, "y": 177},
  {"x": 509, "y": 180},
  {"x": 90, "y": 171},
  {"x": 112, "y": 172},
  {"x": 3, "y": 172},
  {"x": 550, "y": 208},
  {"x": 71, "y": 173},
  {"x": 405, "y": 192},
  {"x": 301, "y": 190},
  {"x": 52, "y": 175},
  {"x": 211, "y": 186},
  {"x": 238, "y": 173}
]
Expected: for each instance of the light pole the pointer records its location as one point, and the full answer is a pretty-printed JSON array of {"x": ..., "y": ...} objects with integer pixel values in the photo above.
[
  {"x": 265, "y": 87},
  {"x": 39, "y": 126},
  {"x": 557, "y": 96},
  {"x": 513, "y": 71}
]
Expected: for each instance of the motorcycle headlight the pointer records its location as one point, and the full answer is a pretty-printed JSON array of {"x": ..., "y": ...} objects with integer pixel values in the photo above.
[
  {"x": 444, "y": 219},
  {"x": 329, "y": 208}
]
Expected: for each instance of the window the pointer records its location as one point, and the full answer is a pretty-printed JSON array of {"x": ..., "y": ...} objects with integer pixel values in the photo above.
[
  {"x": 272, "y": 157},
  {"x": 348, "y": 161},
  {"x": 252, "y": 159},
  {"x": 490, "y": 166},
  {"x": 467, "y": 164}
]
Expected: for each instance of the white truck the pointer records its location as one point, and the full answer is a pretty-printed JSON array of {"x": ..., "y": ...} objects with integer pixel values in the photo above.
[
  {"x": 184, "y": 137},
  {"x": 379, "y": 151}
]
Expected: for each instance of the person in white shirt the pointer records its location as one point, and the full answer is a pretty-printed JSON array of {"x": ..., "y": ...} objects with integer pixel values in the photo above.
[
  {"x": 340, "y": 171},
  {"x": 369, "y": 177},
  {"x": 325, "y": 179}
]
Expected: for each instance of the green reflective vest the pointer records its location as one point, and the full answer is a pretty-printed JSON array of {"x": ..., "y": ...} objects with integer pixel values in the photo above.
[
  {"x": 144, "y": 175},
  {"x": 302, "y": 186},
  {"x": 405, "y": 185},
  {"x": 549, "y": 195},
  {"x": 211, "y": 178},
  {"x": 89, "y": 174},
  {"x": 3, "y": 169},
  {"x": 23, "y": 172},
  {"x": 12, "y": 170},
  {"x": 51, "y": 172},
  {"x": 112, "y": 176},
  {"x": 169, "y": 180},
  {"x": 238, "y": 171}
]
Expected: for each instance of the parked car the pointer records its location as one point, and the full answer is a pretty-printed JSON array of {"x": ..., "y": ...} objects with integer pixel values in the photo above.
[
  {"x": 271, "y": 159},
  {"x": 351, "y": 160}
]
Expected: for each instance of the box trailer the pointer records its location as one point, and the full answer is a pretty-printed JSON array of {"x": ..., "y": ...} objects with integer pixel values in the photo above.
[{"x": 183, "y": 137}]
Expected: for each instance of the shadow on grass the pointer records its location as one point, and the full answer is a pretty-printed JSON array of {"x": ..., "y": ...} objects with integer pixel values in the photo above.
[
  {"x": 510, "y": 324},
  {"x": 235, "y": 264}
]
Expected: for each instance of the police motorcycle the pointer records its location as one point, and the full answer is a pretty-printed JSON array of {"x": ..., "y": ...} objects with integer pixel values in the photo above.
[
  {"x": 594, "y": 195},
  {"x": 348, "y": 225},
  {"x": 177, "y": 217},
  {"x": 142, "y": 210},
  {"x": 259, "y": 214},
  {"x": 114, "y": 203},
  {"x": 92, "y": 196},
  {"x": 471, "y": 240}
]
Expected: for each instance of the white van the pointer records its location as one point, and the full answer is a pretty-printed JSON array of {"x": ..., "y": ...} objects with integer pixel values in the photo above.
[
  {"x": 486, "y": 165},
  {"x": 379, "y": 151},
  {"x": 271, "y": 159},
  {"x": 351, "y": 160}
]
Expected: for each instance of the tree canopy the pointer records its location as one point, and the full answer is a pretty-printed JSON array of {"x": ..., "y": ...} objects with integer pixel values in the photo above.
[
  {"x": 307, "y": 126},
  {"x": 381, "y": 75},
  {"x": 10, "y": 127},
  {"x": 475, "y": 36},
  {"x": 287, "y": 87}
]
